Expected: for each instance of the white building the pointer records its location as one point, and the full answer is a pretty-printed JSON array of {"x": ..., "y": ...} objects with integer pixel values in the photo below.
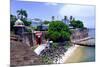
[{"x": 66, "y": 21}]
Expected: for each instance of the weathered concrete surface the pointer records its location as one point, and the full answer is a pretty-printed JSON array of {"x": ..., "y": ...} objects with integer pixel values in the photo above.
[
  {"x": 21, "y": 54},
  {"x": 88, "y": 41},
  {"x": 39, "y": 49}
]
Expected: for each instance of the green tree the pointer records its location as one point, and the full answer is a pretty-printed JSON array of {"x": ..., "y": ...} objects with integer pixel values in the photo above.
[
  {"x": 58, "y": 31},
  {"x": 46, "y": 22},
  {"x": 22, "y": 14},
  {"x": 80, "y": 24},
  {"x": 12, "y": 21},
  {"x": 26, "y": 22},
  {"x": 77, "y": 23}
]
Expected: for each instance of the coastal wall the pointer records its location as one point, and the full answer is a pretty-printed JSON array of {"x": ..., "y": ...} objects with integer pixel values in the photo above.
[
  {"x": 28, "y": 39},
  {"x": 79, "y": 33}
]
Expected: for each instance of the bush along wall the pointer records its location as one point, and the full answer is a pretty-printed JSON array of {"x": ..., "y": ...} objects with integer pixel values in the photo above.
[{"x": 58, "y": 32}]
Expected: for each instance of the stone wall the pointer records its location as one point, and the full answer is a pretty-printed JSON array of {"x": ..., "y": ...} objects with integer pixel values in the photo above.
[
  {"x": 28, "y": 38},
  {"x": 79, "y": 33}
]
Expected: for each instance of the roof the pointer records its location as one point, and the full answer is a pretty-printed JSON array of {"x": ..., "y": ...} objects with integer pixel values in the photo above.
[
  {"x": 19, "y": 23},
  {"x": 38, "y": 33}
]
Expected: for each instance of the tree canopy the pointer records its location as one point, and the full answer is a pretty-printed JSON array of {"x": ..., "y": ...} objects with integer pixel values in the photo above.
[
  {"x": 12, "y": 21},
  {"x": 77, "y": 23},
  {"x": 58, "y": 31},
  {"x": 46, "y": 22},
  {"x": 22, "y": 14}
]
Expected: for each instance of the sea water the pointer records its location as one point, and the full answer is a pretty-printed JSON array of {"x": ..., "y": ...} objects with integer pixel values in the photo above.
[
  {"x": 88, "y": 52},
  {"x": 84, "y": 53}
]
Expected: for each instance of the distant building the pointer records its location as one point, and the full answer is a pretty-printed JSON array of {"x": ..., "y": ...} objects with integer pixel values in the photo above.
[
  {"x": 45, "y": 26},
  {"x": 36, "y": 22},
  {"x": 66, "y": 20}
]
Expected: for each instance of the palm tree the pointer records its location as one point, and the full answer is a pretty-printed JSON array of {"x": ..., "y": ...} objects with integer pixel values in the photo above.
[
  {"x": 71, "y": 18},
  {"x": 65, "y": 20},
  {"x": 22, "y": 14},
  {"x": 53, "y": 18},
  {"x": 65, "y": 17}
]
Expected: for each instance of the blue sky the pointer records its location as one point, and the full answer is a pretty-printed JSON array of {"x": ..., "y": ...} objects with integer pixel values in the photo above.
[{"x": 44, "y": 11}]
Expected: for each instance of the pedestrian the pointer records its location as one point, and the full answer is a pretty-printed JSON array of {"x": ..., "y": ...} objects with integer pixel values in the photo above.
[{"x": 48, "y": 43}]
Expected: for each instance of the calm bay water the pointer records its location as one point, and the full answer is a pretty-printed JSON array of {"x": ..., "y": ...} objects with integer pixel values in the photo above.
[
  {"x": 88, "y": 52},
  {"x": 92, "y": 32},
  {"x": 83, "y": 53}
]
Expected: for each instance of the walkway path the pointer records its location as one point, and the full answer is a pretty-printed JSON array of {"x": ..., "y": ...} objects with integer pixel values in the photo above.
[
  {"x": 21, "y": 54},
  {"x": 40, "y": 48},
  {"x": 88, "y": 41},
  {"x": 83, "y": 39}
]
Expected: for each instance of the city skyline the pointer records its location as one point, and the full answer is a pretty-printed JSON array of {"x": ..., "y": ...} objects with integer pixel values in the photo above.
[{"x": 44, "y": 11}]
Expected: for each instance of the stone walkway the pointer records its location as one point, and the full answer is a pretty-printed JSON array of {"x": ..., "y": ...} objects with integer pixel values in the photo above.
[
  {"x": 40, "y": 48},
  {"x": 21, "y": 54}
]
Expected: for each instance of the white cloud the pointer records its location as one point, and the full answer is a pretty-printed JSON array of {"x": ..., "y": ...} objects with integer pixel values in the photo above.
[
  {"x": 51, "y": 3},
  {"x": 77, "y": 10},
  {"x": 82, "y": 12}
]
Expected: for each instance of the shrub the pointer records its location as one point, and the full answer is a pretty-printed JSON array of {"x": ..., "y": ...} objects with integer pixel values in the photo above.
[
  {"x": 77, "y": 24},
  {"x": 26, "y": 23},
  {"x": 46, "y": 22},
  {"x": 12, "y": 22},
  {"x": 58, "y": 31},
  {"x": 55, "y": 45}
]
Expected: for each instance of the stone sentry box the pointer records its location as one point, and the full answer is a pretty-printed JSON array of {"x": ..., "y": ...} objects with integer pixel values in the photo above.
[{"x": 21, "y": 31}]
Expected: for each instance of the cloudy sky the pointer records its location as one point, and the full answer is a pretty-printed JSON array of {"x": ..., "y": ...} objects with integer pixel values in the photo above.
[{"x": 44, "y": 11}]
